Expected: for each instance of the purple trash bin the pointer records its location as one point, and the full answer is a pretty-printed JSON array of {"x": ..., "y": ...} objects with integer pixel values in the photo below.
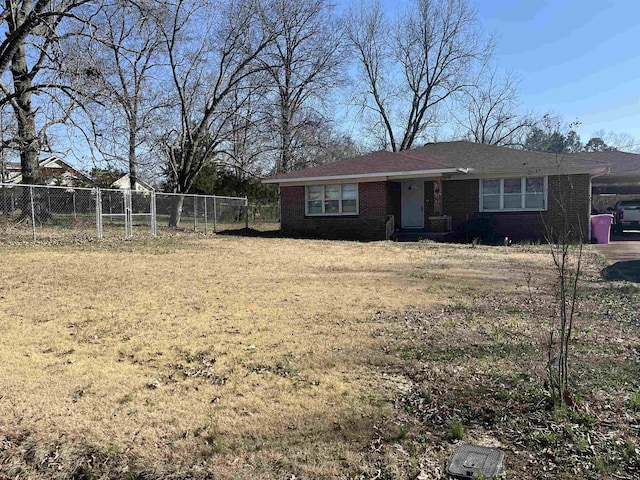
[{"x": 601, "y": 227}]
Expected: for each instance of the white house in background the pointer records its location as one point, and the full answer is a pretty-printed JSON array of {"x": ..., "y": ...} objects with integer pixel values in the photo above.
[
  {"x": 53, "y": 171},
  {"x": 124, "y": 183}
]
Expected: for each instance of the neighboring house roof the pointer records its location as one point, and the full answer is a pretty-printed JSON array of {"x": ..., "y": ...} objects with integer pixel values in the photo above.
[
  {"x": 124, "y": 183},
  {"x": 53, "y": 170},
  {"x": 446, "y": 159}
]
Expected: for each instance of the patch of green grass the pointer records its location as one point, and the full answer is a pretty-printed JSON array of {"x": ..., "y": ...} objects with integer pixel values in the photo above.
[
  {"x": 455, "y": 429},
  {"x": 514, "y": 310},
  {"x": 634, "y": 402},
  {"x": 629, "y": 451},
  {"x": 425, "y": 394},
  {"x": 602, "y": 464}
]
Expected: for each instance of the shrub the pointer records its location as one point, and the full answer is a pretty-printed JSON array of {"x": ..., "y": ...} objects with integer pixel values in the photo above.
[{"x": 480, "y": 227}]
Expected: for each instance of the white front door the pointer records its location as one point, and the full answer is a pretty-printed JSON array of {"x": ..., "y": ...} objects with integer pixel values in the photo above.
[{"x": 413, "y": 204}]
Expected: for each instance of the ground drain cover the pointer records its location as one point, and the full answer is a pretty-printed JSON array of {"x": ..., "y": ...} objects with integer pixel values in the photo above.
[{"x": 469, "y": 460}]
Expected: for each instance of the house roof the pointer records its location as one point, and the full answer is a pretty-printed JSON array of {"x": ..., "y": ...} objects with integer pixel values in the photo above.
[
  {"x": 50, "y": 164},
  {"x": 124, "y": 182},
  {"x": 446, "y": 159},
  {"x": 622, "y": 163}
]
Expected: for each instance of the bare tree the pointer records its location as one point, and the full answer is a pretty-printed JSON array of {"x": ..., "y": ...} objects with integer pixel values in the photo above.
[
  {"x": 30, "y": 50},
  {"x": 492, "y": 112},
  {"x": 211, "y": 48},
  {"x": 19, "y": 20},
  {"x": 248, "y": 151},
  {"x": 565, "y": 236},
  {"x": 318, "y": 142},
  {"x": 118, "y": 80},
  {"x": 302, "y": 64},
  {"x": 411, "y": 66},
  {"x": 615, "y": 141}
]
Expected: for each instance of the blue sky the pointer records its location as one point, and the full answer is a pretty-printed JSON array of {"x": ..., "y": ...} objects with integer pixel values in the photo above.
[
  {"x": 580, "y": 59},
  {"x": 577, "y": 58}
]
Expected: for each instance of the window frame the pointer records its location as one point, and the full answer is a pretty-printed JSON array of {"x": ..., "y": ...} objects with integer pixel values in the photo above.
[
  {"x": 324, "y": 199},
  {"x": 523, "y": 195}
]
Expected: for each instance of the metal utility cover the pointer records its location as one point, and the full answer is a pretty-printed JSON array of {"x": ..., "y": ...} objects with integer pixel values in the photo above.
[{"x": 469, "y": 460}]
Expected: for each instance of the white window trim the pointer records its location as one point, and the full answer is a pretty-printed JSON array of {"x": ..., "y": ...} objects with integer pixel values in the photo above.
[
  {"x": 522, "y": 193},
  {"x": 341, "y": 214}
]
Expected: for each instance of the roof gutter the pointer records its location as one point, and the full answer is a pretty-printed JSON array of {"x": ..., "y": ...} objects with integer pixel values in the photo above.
[
  {"x": 605, "y": 172},
  {"x": 380, "y": 175}
]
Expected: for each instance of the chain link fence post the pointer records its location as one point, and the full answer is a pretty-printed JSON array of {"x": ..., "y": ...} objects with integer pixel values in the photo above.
[
  {"x": 195, "y": 213},
  {"x": 154, "y": 220},
  {"x": 215, "y": 214},
  {"x": 128, "y": 219},
  {"x": 33, "y": 214},
  {"x": 98, "y": 213},
  {"x": 205, "y": 215},
  {"x": 246, "y": 213}
]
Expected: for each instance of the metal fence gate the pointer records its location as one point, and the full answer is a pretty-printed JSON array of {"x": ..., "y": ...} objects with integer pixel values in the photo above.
[{"x": 125, "y": 209}]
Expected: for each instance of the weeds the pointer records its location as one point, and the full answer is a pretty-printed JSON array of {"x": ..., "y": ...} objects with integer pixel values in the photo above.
[{"x": 455, "y": 430}]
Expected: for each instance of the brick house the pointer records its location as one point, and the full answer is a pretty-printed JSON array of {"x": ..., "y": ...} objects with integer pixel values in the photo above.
[{"x": 439, "y": 188}]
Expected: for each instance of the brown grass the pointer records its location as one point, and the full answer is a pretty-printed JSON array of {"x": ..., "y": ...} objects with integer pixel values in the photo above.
[{"x": 233, "y": 356}]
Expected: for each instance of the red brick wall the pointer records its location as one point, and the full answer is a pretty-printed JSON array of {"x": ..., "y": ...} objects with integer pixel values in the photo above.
[
  {"x": 460, "y": 199},
  {"x": 568, "y": 207},
  {"x": 428, "y": 200},
  {"x": 376, "y": 202}
]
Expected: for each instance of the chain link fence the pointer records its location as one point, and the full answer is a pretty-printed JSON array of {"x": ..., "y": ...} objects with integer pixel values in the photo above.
[{"x": 36, "y": 212}]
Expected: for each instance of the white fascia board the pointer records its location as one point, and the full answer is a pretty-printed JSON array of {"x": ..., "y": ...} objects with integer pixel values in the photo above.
[
  {"x": 368, "y": 176},
  {"x": 538, "y": 172}
]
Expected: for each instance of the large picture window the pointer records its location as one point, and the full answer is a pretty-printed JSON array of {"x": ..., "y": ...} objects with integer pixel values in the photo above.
[
  {"x": 511, "y": 194},
  {"x": 339, "y": 199}
]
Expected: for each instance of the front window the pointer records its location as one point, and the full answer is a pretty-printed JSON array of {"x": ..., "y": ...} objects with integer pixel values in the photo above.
[
  {"x": 332, "y": 199},
  {"x": 509, "y": 194}
]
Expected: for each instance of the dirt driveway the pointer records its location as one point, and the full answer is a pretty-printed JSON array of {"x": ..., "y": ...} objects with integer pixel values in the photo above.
[{"x": 623, "y": 253}]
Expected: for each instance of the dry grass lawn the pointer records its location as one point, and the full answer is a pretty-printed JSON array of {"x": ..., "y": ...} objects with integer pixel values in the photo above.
[{"x": 240, "y": 357}]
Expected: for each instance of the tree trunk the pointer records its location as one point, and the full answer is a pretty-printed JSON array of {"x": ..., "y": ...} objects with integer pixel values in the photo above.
[
  {"x": 132, "y": 155},
  {"x": 176, "y": 210},
  {"x": 25, "y": 117},
  {"x": 285, "y": 154}
]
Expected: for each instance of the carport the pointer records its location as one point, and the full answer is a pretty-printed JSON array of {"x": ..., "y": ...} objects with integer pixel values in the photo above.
[{"x": 621, "y": 183}]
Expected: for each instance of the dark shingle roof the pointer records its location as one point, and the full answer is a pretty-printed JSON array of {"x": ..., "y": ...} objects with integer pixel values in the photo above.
[
  {"x": 480, "y": 158},
  {"x": 622, "y": 163}
]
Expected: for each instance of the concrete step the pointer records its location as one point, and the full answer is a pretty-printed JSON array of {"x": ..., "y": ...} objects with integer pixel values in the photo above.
[{"x": 421, "y": 234}]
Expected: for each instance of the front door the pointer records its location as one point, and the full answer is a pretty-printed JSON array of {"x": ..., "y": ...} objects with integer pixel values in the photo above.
[{"x": 413, "y": 204}]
